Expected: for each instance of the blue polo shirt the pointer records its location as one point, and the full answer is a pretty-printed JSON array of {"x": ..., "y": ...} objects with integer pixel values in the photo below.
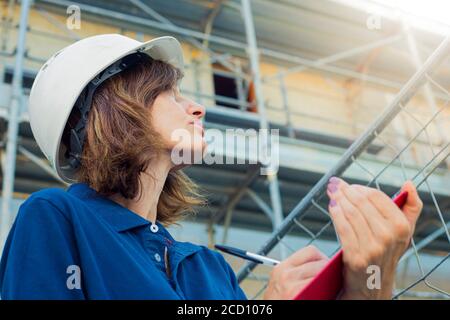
[{"x": 77, "y": 244}]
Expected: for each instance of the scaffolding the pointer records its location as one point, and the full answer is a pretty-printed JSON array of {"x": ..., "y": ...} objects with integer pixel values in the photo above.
[
  {"x": 308, "y": 218},
  {"x": 316, "y": 199}
]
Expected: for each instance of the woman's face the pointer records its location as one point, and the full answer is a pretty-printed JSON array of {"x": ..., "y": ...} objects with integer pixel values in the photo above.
[{"x": 179, "y": 121}]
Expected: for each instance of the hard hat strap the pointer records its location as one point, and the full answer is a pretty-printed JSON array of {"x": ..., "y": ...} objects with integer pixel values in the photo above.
[{"x": 84, "y": 101}]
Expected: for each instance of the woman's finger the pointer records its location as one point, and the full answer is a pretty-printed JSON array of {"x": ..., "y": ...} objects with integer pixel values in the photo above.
[
  {"x": 396, "y": 219},
  {"x": 304, "y": 255},
  {"x": 337, "y": 191},
  {"x": 307, "y": 270},
  {"x": 381, "y": 202},
  {"x": 358, "y": 196},
  {"x": 396, "y": 222},
  {"x": 345, "y": 232},
  {"x": 413, "y": 206}
]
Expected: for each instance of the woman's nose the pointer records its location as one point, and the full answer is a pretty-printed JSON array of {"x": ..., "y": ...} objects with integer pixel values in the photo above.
[{"x": 196, "y": 110}]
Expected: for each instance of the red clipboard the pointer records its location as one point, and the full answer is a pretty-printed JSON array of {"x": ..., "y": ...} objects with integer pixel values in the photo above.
[{"x": 327, "y": 284}]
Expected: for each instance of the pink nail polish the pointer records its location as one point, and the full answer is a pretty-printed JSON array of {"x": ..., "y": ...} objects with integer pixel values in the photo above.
[
  {"x": 334, "y": 180},
  {"x": 332, "y": 203},
  {"x": 332, "y": 187}
]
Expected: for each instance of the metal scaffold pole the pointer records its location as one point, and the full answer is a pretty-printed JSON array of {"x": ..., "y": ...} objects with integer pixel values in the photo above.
[
  {"x": 252, "y": 51},
  {"x": 15, "y": 107}
]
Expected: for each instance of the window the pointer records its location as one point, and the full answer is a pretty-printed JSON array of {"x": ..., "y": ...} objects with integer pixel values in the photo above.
[
  {"x": 225, "y": 88},
  {"x": 27, "y": 77}
]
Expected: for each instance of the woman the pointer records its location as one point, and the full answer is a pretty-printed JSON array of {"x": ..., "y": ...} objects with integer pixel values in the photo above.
[{"x": 104, "y": 112}]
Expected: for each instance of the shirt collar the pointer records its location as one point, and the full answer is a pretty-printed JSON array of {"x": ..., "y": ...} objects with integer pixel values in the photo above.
[
  {"x": 123, "y": 219},
  {"x": 119, "y": 217}
]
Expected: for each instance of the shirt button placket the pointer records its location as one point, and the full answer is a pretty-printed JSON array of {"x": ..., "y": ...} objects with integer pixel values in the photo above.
[{"x": 154, "y": 228}]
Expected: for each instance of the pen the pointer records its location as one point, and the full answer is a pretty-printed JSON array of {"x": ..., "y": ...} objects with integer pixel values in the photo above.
[{"x": 247, "y": 255}]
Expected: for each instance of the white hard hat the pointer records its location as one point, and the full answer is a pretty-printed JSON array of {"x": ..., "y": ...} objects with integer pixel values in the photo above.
[{"x": 70, "y": 78}]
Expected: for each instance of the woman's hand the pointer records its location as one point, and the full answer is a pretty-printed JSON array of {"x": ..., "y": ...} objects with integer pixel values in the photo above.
[
  {"x": 294, "y": 273},
  {"x": 373, "y": 232}
]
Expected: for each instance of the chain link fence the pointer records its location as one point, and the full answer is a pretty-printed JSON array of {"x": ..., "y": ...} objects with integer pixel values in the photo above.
[{"x": 416, "y": 145}]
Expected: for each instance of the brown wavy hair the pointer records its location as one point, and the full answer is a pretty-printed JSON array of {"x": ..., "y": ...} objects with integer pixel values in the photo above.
[{"x": 121, "y": 143}]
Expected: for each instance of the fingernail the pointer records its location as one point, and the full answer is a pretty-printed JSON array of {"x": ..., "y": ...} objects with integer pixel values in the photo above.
[
  {"x": 332, "y": 187},
  {"x": 334, "y": 180},
  {"x": 332, "y": 203}
]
